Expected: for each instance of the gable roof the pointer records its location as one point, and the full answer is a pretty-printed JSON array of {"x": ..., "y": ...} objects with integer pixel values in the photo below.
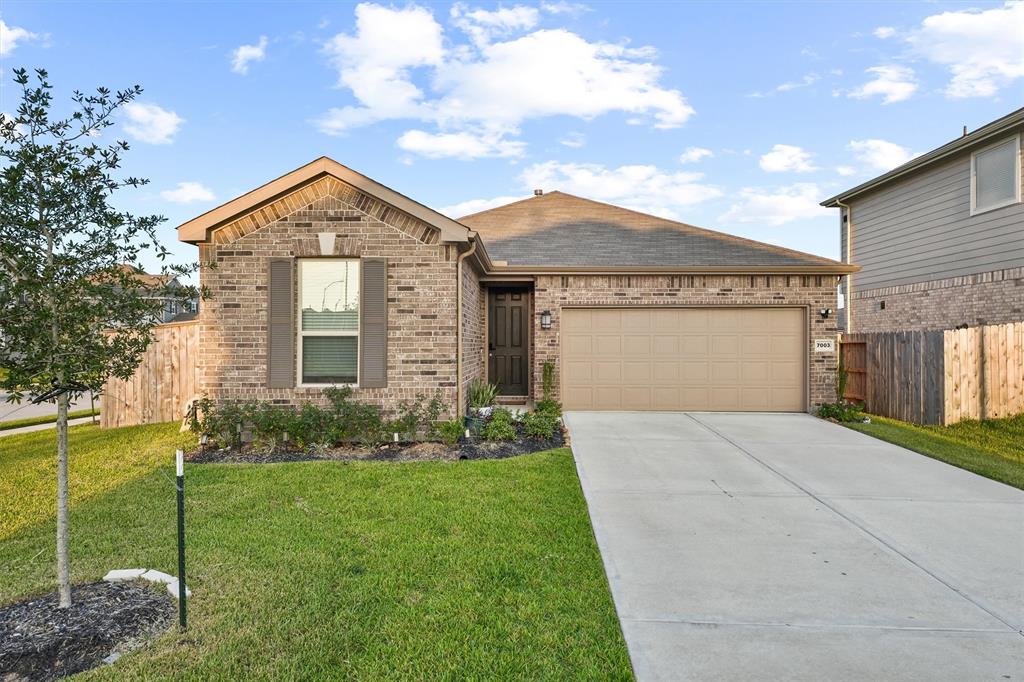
[
  {"x": 198, "y": 229},
  {"x": 558, "y": 230},
  {"x": 976, "y": 137}
]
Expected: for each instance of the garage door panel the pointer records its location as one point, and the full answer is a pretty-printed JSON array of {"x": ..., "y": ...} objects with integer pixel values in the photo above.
[{"x": 684, "y": 359}]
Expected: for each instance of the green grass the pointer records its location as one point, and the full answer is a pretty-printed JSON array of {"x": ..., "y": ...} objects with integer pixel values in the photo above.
[
  {"x": 468, "y": 570},
  {"x": 993, "y": 448},
  {"x": 44, "y": 419}
]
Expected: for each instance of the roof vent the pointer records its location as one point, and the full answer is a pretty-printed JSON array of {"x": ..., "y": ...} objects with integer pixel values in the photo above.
[{"x": 538, "y": 192}]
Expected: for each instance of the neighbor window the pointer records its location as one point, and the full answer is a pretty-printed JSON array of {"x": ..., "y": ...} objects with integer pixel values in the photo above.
[
  {"x": 995, "y": 176},
  {"x": 328, "y": 321}
]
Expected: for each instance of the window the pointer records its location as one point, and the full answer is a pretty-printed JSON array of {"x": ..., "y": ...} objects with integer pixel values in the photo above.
[
  {"x": 995, "y": 176},
  {"x": 328, "y": 321}
]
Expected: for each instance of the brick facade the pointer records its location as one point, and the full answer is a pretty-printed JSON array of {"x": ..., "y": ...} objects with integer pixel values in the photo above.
[
  {"x": 815, "y": 292},
  {"x": 421, "y": 295},
  {"x": 474, "y": 316},
  {"x": 986, "y": 298}
]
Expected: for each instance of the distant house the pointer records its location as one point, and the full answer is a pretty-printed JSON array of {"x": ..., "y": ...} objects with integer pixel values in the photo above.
[
  {"x": 940, "y": 240},
  {"x": 172, "y": 309}
]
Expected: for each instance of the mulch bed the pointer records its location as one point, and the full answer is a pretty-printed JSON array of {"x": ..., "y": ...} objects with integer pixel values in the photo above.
[
  {"x": 39, "y": 641},
  {"x": 393, "y": 452}
]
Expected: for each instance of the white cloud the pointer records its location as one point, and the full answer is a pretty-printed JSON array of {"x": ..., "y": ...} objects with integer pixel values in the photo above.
[
  {"x": 880, "y": 155},
  {"x": 776, "y": 206},
  {"x": 482, "y": 26},
  {"x": 243, "y": 54},
  {"x": 574, "y": 140},
  {"x": 563, "y": 7},
  {"x": 884, "y": 32},
  {"x": 151, "y": 123},
  {"x": 893, "y": 83},
  {"x": 465, "y": 208},
  {"x": 846, "y": 171},
  {"x": 461, "y": 145},
  {"x": 695, "y": 154},
  {"x": 490, "y": 86},
  {"x": 187, "y": 193},
  {"x": 642, "y": 188},
  {"x": 807, "y": 80},
  {"x": 787, "y": 158},
  {"x": 10, "y": 36},
  {"x": 983, "y": 50}
]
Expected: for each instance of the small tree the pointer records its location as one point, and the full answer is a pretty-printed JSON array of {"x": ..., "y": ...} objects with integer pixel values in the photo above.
[{"x": 70, "y": 314}]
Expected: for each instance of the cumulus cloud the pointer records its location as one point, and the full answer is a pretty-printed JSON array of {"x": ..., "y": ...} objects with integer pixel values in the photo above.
[
  {"x": 465, "y": 208},
  {"x": 10, "y": 36},
  {"x": 846, "y": 171},
  {"x": 983, "y": 50},
  {"x": 188, "y": 193},
  {"x": 891, "y": 82},
  {"x": 776, "y": 206},
  {"x": 461, "y": 145},
  {"x": 884, "y": 32},
  {"x": 695, "y": 154},
  {"x": 880, "y": 155},
  {"x": 151, "y": 123},
  {"x": 496, "y": 82},
  {"x": 787, "y": 158},
  {"x": 244, "y": 54}
]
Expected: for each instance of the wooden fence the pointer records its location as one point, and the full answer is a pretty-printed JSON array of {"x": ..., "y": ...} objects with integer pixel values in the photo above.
[
  {"x": 938, "y": 377},
  {"x": 163, "y": 383}
]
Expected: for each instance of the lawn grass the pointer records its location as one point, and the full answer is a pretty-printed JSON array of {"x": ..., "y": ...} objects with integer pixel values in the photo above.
[
  {"x": 481, "y": 569},
  {"x": 44, "y": 419},
  {"x": 993, "y": 448}
]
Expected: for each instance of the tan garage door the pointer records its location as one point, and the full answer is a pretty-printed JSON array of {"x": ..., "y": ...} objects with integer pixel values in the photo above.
[{"x": 729, "y": 359}]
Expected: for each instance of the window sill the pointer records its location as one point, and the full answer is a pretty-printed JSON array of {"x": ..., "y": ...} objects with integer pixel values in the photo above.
[{"x": 989, "y": 209}]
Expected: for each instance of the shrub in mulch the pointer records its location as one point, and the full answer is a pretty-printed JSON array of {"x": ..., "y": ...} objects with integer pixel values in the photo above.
[
  {"x": 473, "y": 448},
  {"x": 39, "y": 641}
]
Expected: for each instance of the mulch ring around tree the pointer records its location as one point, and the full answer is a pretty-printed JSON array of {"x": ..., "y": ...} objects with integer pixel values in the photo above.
[
  {"x": 39, "y": 641},
  {"x": 393, "y": 452}
]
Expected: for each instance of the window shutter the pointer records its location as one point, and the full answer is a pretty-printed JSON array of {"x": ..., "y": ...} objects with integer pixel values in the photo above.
[
  {"x": 373, "y": 323},
  {"x": 280, "y": 326}
]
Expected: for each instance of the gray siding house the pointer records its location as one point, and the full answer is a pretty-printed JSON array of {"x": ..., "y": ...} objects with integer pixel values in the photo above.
[{"x": 940, "y": 239}]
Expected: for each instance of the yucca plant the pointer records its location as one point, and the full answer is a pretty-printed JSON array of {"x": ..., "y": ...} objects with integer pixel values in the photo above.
[{"x": 482, "y": 394}]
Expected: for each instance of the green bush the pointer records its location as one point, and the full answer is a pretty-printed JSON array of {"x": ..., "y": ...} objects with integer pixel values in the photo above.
[
  {"x": 549, "y": 406},
  {"x": 449, "y": 432},
  {"x": 271, "y": 424},
  {"x": 540, "y": 425},
  {"x": 843, "y": 412},
  {"x": 417, "y": 418},
  {"x": 481, "y": 393},
  {"x": 501, "y": 426},
  {"x": 222, "y": 422}
]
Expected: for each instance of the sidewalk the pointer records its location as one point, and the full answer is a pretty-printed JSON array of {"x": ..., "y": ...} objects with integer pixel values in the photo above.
[{"x": 41, "y": 427}]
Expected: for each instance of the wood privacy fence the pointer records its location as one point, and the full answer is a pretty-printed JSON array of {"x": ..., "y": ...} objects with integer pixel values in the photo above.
[
  {"x": 163, "y": 383},
  {"x": 938, "y": 377}
]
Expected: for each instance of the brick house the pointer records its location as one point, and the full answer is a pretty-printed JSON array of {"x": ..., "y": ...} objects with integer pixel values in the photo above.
[
  {"x": 326, "y": 277},
  {"x": 940, "y": 239}
]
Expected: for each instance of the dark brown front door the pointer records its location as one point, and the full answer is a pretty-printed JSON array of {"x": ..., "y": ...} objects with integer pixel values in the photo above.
[{"x": 508, "y": 355}]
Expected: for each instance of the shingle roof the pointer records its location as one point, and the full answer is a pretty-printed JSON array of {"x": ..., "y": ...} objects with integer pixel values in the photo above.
[{"x": 558, "y": 229}]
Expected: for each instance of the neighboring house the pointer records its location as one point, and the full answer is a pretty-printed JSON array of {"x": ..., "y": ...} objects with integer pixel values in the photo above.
[
  {"x": 325, "y": 277},
  {"x": 940, "y": 240},
  {"x": 172, "y": 309}
]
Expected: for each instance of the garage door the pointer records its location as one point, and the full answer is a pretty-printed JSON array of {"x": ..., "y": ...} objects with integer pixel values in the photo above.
[{"x": 730, "y": 359}]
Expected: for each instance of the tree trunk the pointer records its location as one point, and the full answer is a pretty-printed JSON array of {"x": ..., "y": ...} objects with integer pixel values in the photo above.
[{"x": 63, "y": 567}]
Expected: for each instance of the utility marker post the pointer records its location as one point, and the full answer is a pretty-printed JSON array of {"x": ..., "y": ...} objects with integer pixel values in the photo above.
[{"x": 180, "y": 470}]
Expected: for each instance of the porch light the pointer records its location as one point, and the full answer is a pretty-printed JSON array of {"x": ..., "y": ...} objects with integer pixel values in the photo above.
[
  {"x": 825, "y": 312},
  {"x": 545, "y": 319}
]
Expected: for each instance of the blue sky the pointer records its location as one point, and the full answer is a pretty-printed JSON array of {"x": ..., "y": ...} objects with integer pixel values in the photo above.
[{"x": 739, "y": 117}]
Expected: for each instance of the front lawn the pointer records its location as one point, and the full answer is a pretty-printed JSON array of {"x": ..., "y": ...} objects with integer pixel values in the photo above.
[
  {"x": 482, "y": 569},
  {"x": 993, "y": 448}
]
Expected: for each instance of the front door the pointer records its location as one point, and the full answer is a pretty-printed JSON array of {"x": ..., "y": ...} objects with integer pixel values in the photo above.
[{"x": 508, "y": 355}]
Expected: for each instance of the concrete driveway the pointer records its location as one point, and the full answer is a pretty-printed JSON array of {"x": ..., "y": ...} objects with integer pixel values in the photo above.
[{"x": 779, "y": 546}]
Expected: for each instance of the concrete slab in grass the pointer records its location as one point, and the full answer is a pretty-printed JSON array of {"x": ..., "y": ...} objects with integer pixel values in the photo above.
[{"x": 124, "y": 575}]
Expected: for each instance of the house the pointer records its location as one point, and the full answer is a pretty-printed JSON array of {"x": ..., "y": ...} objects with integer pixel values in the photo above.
[
  {"x": 324, "y": 276},
  {"x": 940, "y": 239},
  {"x": 155, "y": 288}
]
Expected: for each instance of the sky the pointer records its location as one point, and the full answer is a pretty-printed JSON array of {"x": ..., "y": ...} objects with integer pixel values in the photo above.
[{"x": 739, "y": 117}]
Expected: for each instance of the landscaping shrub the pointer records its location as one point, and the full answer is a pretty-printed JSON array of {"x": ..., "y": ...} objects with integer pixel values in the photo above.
[
  {"x": 501, "y": 426},
  {"x": 842, "y": 411},
  {"x": 222, "y": 422},
  {"x": 482, "y": 394},
  {"x": 549, "y": 406},
  {"x": 540, "y": 425},
  {"x": 417, "y": 418},
  {"x": 271, "y": 424},
  {"x": 449, "y": 432}
]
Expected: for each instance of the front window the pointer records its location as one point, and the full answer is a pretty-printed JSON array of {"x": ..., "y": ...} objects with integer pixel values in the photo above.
[
  {"x": 995, "y": 176},
  {"x": 329, "y": 320}
]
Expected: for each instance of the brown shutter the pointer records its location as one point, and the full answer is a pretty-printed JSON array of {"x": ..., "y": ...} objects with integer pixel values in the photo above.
[
  {"x": 373, "y": 323},
  {"x": 280, "y": 327}
]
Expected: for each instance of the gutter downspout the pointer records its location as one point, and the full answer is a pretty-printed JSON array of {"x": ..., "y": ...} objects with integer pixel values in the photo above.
[
  {"x": 458, "y": 325},
  {"x": 849, "y": 261}
]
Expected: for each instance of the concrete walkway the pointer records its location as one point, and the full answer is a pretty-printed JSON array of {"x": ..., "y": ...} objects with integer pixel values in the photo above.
[
  {"x": 769, "y": 547},
  {"x": 43, "y": 427}
]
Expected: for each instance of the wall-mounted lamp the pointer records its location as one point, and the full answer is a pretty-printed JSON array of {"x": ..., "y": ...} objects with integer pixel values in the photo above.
[
  {"x": 545, "y": 319},
  {"x": 825, "y": 312}
]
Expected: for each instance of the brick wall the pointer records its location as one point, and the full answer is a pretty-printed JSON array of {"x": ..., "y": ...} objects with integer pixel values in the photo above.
[
  {"x": 986, "y": 298},
  {"x": 421, "y": 297},
  {"x": 474, "y": 301},
  {"x": 816, "y": 292}
]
